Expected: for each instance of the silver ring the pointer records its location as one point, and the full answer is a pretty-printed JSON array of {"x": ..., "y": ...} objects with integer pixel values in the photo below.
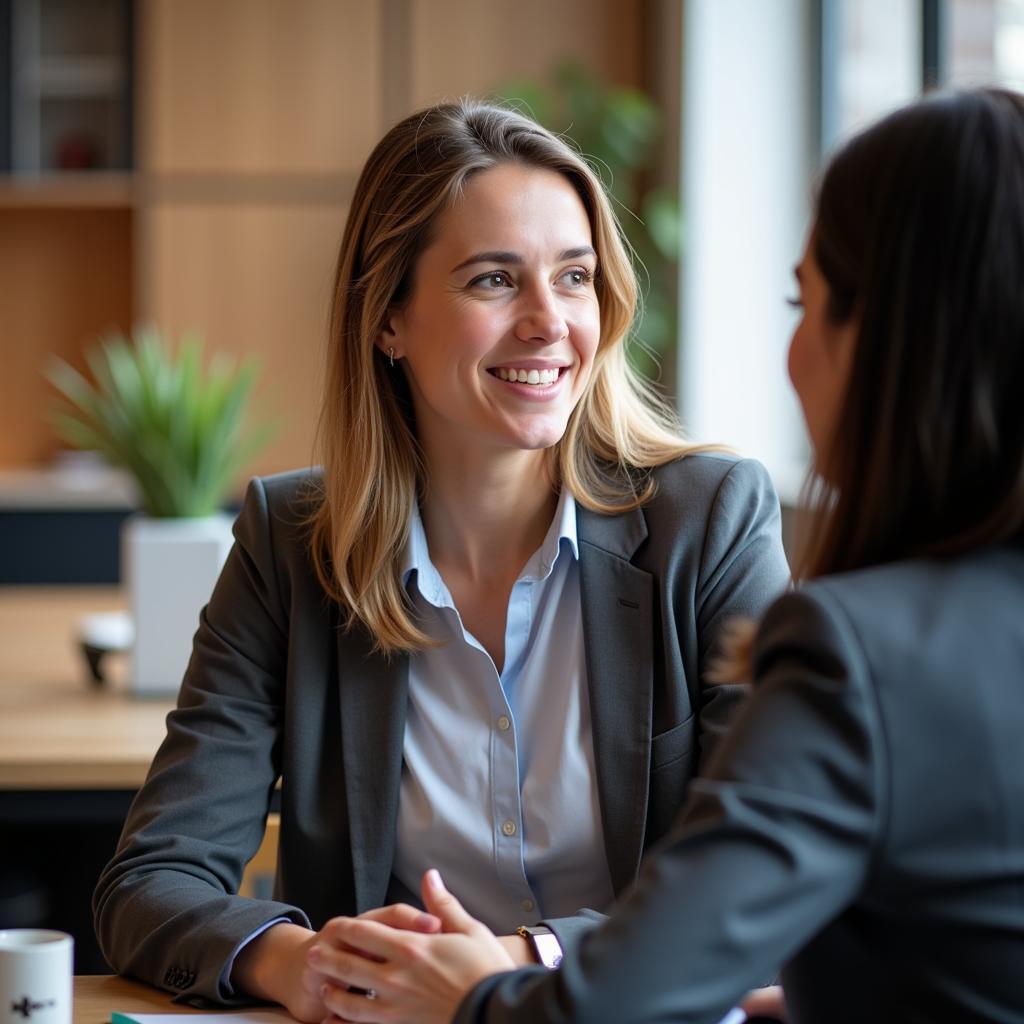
[{"x": 371, "y": 993}]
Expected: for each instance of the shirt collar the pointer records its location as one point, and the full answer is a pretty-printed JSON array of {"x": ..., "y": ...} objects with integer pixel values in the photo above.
[
  {"x": 563, "y": 527},
  {"x": 416, "y": 561},
  {"x": 416, "y": 554}
]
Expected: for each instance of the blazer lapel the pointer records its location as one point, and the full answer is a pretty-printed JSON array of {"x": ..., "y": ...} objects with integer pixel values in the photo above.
[
  {"x": 616, "y": 600},
  {"x": 373, "y": 696}
]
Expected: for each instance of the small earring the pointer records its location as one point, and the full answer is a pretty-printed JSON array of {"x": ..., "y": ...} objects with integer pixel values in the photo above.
[{"x": 391, "y": 357}]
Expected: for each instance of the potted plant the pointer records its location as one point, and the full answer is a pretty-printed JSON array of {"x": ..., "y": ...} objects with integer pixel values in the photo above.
[{"x": 178, "y": 428}]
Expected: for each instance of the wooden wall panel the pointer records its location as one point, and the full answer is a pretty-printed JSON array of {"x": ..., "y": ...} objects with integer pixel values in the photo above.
[
  {"x": 254, "y": 281},
  {"x": 65, "y": 279},
  {"x": 257, "y": 86},
  {"x": 252, "y": 119},
  {"x": 459, "y": 47}
]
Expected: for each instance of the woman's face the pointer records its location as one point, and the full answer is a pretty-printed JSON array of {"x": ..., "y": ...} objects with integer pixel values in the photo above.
[
  {"x": 820, "y": 356},
  {"x": 499, "y": 333}
]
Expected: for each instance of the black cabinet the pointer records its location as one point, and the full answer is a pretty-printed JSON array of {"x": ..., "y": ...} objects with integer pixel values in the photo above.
[{"x": 65, "y": 86}]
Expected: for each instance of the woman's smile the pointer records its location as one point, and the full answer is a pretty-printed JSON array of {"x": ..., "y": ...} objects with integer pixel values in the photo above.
[
  {"x": 524, "y": 376},
  {"x": 532, "y": 382}
]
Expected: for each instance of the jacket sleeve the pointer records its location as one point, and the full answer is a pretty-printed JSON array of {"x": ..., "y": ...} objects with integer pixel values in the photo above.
[
  {"x": 743, "y": 568},
  {"x": 165, "y": 907},
  {"x": 775, "y": 842}
]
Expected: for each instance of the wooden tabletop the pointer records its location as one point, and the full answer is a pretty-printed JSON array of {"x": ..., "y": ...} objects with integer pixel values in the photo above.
[
  {"x": 97, "y": 996},
  {"x": 57, "y": 730}
]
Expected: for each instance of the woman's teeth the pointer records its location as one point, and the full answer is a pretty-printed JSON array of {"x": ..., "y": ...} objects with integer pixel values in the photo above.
[{"x": 527, "y": 376}]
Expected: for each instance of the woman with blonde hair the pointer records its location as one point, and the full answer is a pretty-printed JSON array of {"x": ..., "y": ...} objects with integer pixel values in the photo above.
[
  {"x": 861, "y": 825},
  {"x": 480, "y": 637}
]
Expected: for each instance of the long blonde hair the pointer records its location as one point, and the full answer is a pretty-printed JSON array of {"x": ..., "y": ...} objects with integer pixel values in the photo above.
[{"x": 372, "y": 465}]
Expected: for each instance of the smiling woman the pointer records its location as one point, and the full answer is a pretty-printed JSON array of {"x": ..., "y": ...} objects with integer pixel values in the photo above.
[
  {"x": 479, "y": 638},
  {"x": 502, "y": 324}
]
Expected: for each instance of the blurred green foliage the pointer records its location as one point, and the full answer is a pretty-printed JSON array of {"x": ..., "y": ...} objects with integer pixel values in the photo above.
[
  {"x": 176, "y": 426},
  {"x": 618, "y": 129}
]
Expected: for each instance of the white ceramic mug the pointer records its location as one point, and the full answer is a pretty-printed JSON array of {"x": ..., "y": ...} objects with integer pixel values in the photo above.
[{"x": 35, "y": 976}]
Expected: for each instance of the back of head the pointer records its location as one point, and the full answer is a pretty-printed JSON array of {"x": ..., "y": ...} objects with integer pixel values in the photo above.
[{"x": 920, "y": 235}]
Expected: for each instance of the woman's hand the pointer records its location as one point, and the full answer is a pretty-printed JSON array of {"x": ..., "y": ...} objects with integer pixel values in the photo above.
[
  {"x": 275, "y": 966},
  {"x": 402, "y": 975}
]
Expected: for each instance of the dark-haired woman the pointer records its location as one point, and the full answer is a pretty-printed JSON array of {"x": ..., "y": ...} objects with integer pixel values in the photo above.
[{"x": 863, "y": 824}]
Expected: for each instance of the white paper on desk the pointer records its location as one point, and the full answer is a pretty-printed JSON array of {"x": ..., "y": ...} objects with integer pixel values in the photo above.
[{"x": 265, "y": 1016}]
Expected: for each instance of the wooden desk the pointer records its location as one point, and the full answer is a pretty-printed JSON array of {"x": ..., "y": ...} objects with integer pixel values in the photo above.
[
  {"x": 72, "y": 756},
  {"x": 57, "y": 731},
  {"x": 97, "y": 996}
]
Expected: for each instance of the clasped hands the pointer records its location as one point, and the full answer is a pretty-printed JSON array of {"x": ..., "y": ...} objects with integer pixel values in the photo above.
[
  {"x": 398, "y": 963},
  {"x": 401, "y": 965}
]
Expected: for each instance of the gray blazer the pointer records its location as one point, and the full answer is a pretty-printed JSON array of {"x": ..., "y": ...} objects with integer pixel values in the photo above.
[
  {"x": 864, "y": 822},
  {"x": 276, "y": 690}
]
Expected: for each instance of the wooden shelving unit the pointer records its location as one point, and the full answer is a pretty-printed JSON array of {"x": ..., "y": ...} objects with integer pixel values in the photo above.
[
  {"x": 69, "y": 88},
  {"x": 66, "y": 201},
  {"x": 82, "y": 191}
]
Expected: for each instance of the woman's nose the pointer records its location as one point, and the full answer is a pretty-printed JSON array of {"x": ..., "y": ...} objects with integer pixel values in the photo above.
[{"x": 541, "y": 320}]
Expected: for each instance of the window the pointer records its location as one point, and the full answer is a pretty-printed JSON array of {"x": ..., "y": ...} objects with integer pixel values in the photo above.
[
  {"x": 870, "y": 62},
  {"x": 768, "y": 89},
  {"x": 985, "y": 42}
]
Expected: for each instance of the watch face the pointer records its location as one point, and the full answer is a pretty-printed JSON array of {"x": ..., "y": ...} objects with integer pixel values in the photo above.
[
  {"x": 546, "y": 946},
  {"x": 549, "y": 950}
]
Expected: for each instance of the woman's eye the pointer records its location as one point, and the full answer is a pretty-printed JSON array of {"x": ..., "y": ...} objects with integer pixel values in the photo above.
[
  {"x": 493, "y": 281},
  {"x": 795, "y": 303},
  {"x": 578, "y": 277}
]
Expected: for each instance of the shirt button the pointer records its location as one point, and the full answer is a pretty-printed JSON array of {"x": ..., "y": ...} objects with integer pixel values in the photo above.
[
  {"x": 503, "y": 723},
  {"x": 527, "y": 905},
  {"x": 508, "y": 827}
]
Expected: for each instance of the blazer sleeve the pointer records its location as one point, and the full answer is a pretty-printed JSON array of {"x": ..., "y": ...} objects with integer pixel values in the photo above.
[
  {"x": 743, "y": 569},
  {"x": 165, "y": 907},
  {"x": 775, "y": 842}
]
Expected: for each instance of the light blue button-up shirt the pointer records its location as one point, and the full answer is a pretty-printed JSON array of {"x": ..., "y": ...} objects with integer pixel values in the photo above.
[{"x": 498, "y": 784}]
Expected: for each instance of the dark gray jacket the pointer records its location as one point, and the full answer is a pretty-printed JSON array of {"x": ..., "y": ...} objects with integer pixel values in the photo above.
[
  {"x": 863, "y": 822},
  {"x": 276, "y": 689}
]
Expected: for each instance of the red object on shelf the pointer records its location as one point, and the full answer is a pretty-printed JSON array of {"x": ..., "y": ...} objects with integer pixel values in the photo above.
[{"x": 77, "y": 152}]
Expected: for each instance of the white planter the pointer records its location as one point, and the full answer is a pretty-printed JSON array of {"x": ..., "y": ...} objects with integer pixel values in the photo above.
[{"x": 170, "y": 567}]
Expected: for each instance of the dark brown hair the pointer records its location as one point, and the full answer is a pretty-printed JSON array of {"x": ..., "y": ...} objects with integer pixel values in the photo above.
[{"x": 919, "y": 232}]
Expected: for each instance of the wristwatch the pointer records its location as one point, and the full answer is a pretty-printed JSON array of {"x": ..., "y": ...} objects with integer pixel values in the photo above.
[{"x": 546, "y": 946}]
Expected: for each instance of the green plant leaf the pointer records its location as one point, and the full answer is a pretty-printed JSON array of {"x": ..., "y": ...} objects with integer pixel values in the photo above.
[
  {"x": 630, "y": 128},
  {"x": 661, "y": 214},
  {"x": 177, "y": 428},
  {"x": 528, "y": 97}
]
